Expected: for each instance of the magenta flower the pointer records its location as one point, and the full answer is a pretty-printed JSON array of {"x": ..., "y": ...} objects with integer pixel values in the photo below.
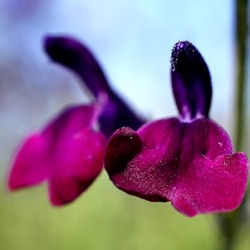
[
  {"x": 68, "y": 153},
  {"x": 188, "y": 160}
]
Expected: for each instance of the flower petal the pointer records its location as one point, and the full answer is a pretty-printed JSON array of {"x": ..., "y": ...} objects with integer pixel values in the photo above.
[
  {"x": 191, "y": 81},
  {"x": 179, "y": 162},
  {"x": 29, "y": 168},
  {"x": 76, "y": 165},
  {"x": 42, "y": 155},
  {"x": 74, "y": 55},
  {"x": 70, "y": 121},
  {"x": 212, "y": 186},
  {"x": 117, "y": 114},
  {"x": 151, "y": 167}
]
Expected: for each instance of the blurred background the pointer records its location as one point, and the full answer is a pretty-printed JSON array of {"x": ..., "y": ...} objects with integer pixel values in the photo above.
[{"x": 133, "y": 42}]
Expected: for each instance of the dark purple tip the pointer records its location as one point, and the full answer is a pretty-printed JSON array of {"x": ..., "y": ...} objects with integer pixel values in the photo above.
[
  {"x": 191, "y": 81},
  {"x": 74, "y": 55}
]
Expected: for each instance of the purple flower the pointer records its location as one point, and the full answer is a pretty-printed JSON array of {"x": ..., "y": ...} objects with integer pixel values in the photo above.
[
  {"x": 188, "y": 160},
  {"x": 68, "y": 152}
]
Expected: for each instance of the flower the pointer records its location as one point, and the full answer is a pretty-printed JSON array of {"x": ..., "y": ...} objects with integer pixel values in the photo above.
[
  {"x": 68, "y": 152},
  {"x": 187, "y": 160}
]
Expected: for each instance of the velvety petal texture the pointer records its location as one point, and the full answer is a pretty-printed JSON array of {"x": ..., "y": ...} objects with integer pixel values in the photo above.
[
  {"x": 187, "y": 160},
  {"x": 68, "y": 153},
  {"x": 189, "y": 164}
]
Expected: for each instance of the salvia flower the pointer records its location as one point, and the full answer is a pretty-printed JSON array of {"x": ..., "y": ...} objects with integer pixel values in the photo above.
[
  {"x": 68, "y": 152},
  {"x": 187, "y": 160}
]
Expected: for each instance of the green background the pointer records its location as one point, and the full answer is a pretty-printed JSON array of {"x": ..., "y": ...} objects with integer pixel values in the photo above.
[{"x": 102, "y": 218}]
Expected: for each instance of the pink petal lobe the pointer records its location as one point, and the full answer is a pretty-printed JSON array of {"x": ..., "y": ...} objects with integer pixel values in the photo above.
[
  {"x": 212, "y": 186},
  {"x": 77, "y": 163},
  {"x": 70, "y": 121},
  {"x": 57, "y": 149},
  {"x": 75, "y": 153},
  {"x": 150, "y": 172},
  {"x": 28, "y": 168},
  {"x": 189, "y": 164},
  {"x": 208, "y": 172}
]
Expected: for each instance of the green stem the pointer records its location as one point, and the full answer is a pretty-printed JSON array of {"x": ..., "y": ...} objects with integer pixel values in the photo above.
[
  {"x": 230, "y": 223},
  {"x": 241, "y": 18}
]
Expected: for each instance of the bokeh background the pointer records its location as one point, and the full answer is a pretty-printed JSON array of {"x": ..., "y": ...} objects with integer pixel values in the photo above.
[{"x": 133, "y": 42}]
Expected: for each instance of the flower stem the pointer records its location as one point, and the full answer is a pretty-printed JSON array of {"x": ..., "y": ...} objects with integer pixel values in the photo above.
[
  {"x": 230, "y": 223},
  {"x": 241, "y": 22}
]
